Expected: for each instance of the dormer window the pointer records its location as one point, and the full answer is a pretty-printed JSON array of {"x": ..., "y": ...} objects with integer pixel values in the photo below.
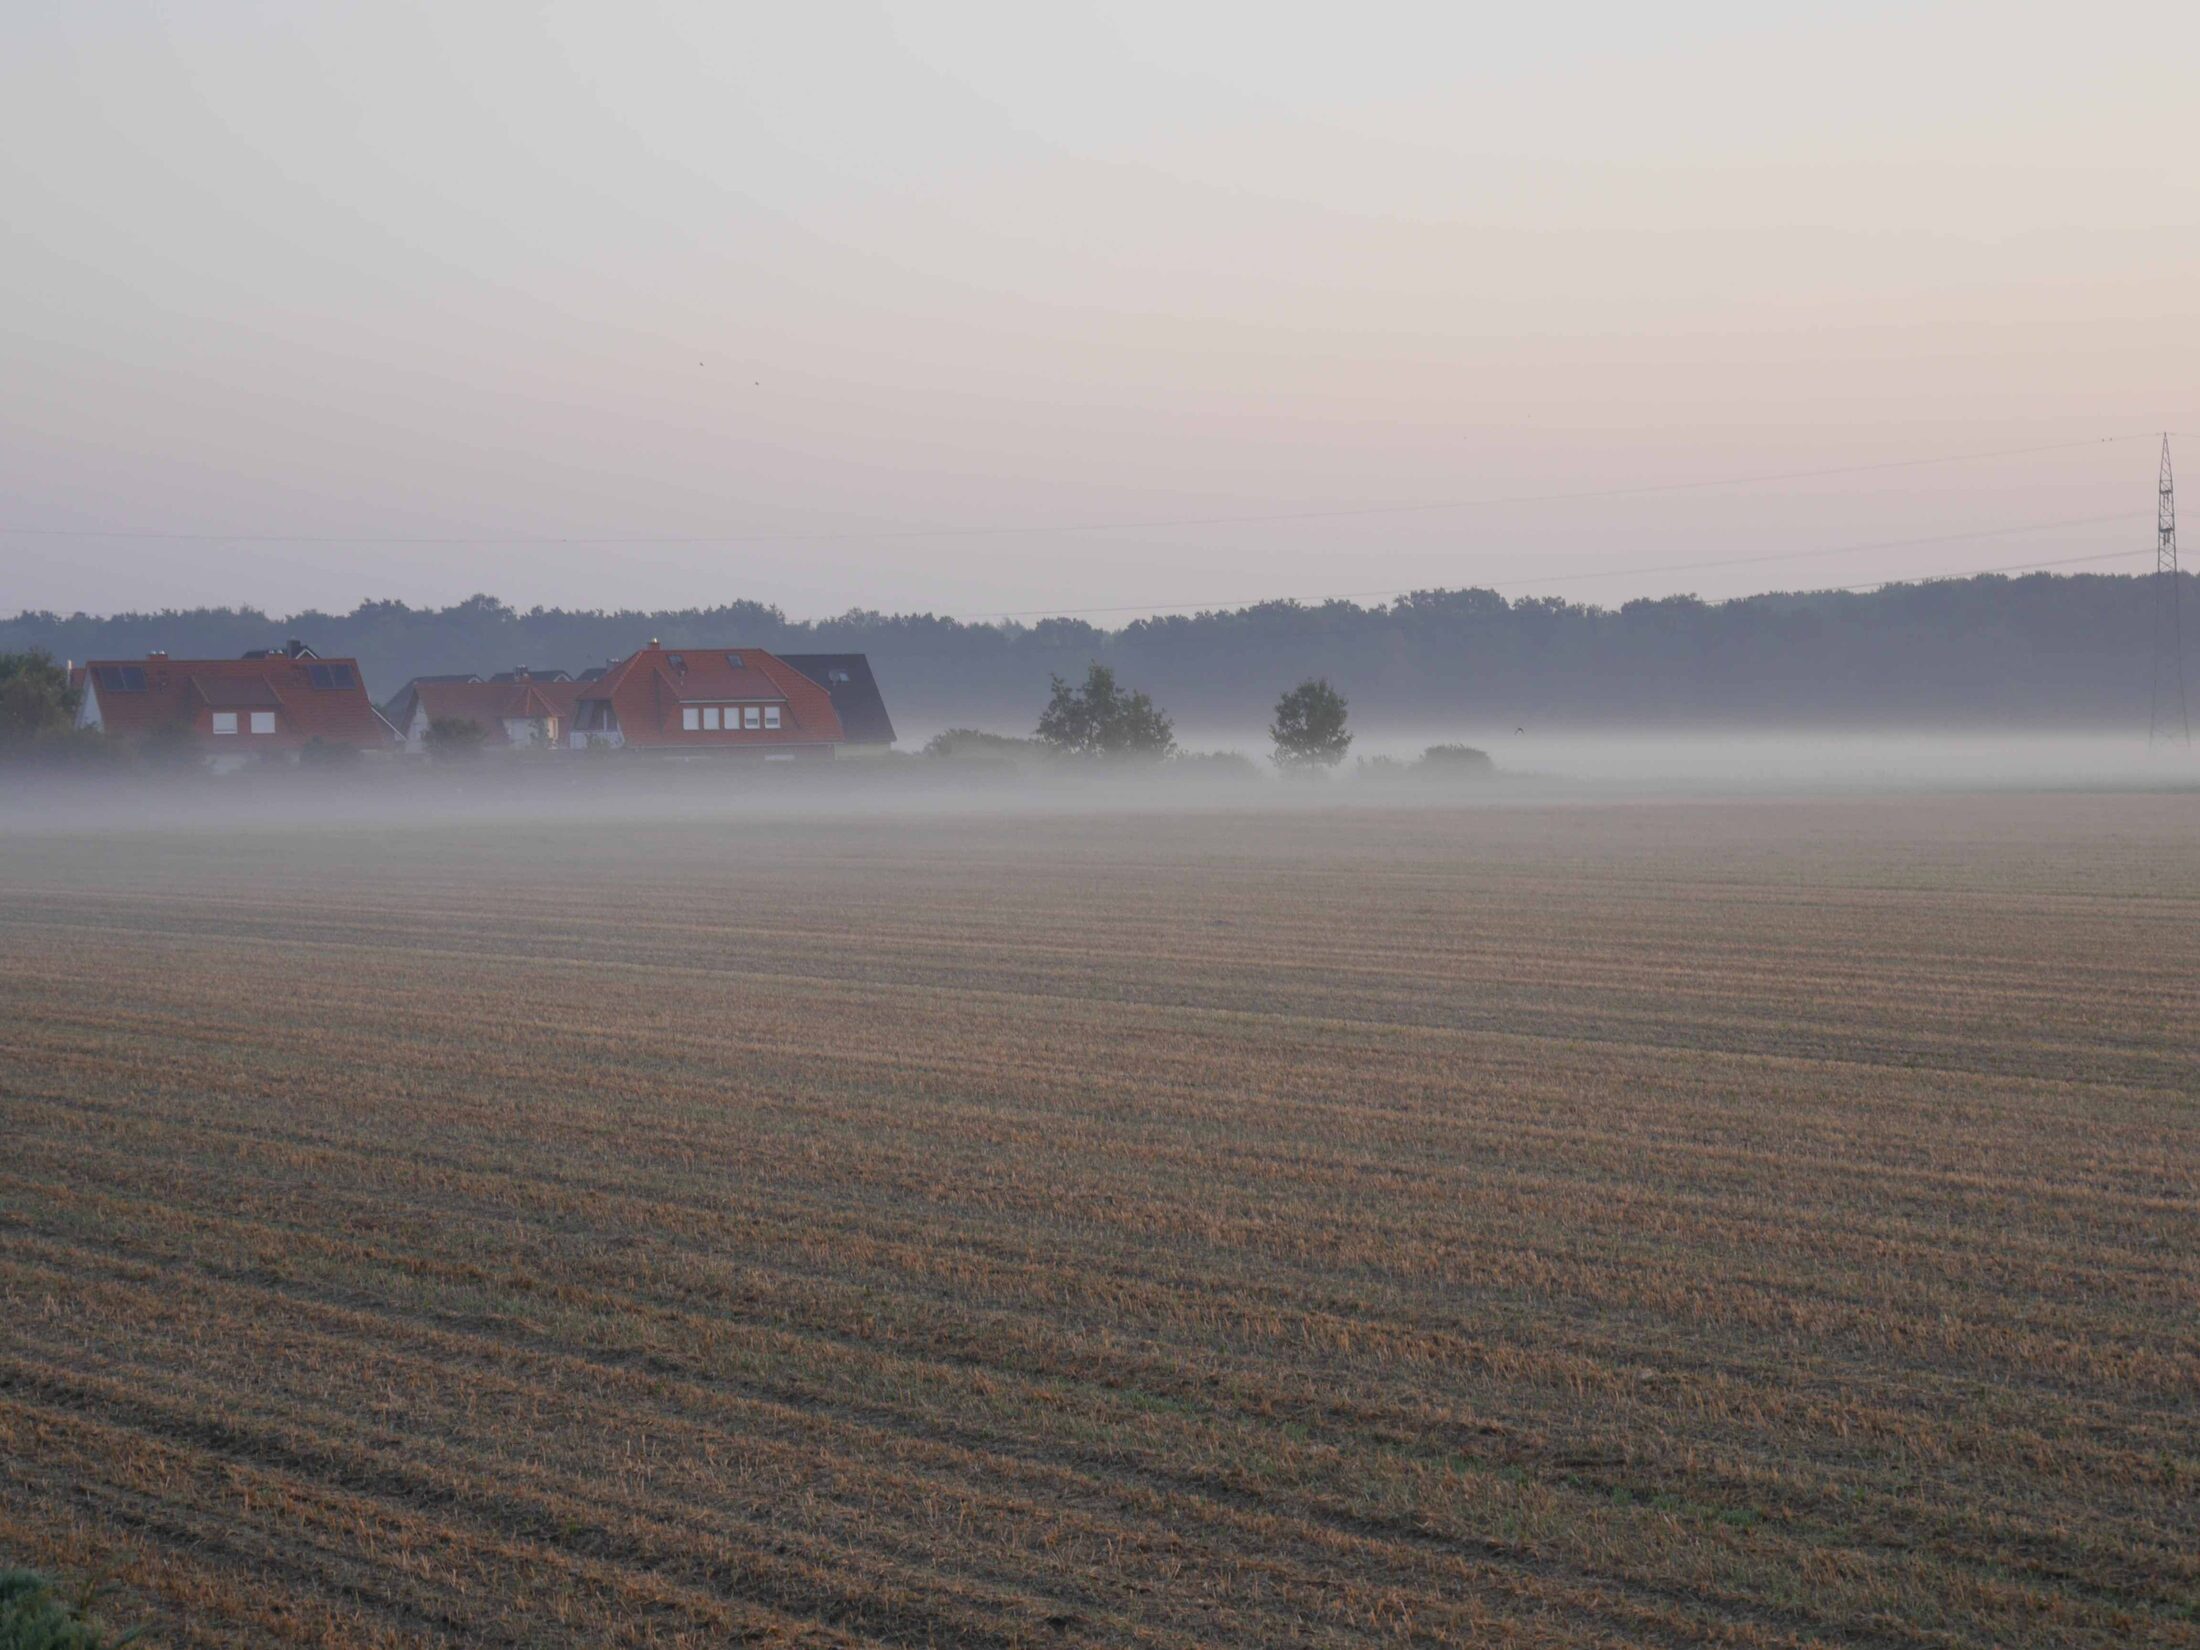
[{"x": 734, "y": 659}]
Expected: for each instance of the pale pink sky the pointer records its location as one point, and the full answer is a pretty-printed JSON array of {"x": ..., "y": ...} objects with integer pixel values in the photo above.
[{"x": 813, "y": 281}]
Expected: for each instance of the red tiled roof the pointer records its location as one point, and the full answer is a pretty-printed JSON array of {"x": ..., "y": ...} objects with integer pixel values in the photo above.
[
  {"x": 231, "y": 693},
  {"x": 189, "y": 691},
  {"x": 649, "y": 689},
  {"x": 491, "y": 703}
]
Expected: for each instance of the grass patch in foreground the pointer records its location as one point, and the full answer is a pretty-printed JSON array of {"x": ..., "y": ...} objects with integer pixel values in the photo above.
[{"x": 33, "y": 1616}]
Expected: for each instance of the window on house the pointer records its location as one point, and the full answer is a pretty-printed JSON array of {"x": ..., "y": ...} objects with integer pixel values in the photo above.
[
  {"x": 263, "y": 721},
  {"x": 690, "y": 719},
  {"x": 120, "y": 678},
  {"x": 330, "y": 676},
  {"x": 710, "y": 718},
  {"x": 771, "y": 716},
  {"x": 838, "y": 678},
  {"x": 750, "y": 718},
  {"x": 225, "y": 721},
  {"x": 678, "y": 661},
  {"x": 734, "y": 659}
]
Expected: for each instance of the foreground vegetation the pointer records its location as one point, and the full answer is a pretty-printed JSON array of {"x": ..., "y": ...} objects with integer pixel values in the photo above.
[
  {"x": 34, "y": 1615},
  {"x": 1740, "y": 1225}
]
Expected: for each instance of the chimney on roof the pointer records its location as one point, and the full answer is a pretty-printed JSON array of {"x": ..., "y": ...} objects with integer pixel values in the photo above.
[
  {"x": 653, "y": 642},
  {"x": 294, "y": 647}
]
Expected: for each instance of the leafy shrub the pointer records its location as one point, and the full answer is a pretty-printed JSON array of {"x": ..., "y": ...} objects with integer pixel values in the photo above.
[
  {"x": 72, "y": 748},
  {"x": 322, "y": 753},
  {"x": 1455, "y": 762},
  {"x": 1215, "y": 764},
  {"x": 34, "y": 1617},
  {"x": 170, "y": 745},
  {"x": 968, "y": 742},
  {"x": 35, "y": 698},
  {"x": 455, "y": 738}
]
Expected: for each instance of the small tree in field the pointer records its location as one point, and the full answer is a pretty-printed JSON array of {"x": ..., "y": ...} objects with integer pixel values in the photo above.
[
  {"x": 36, "y": 700},
  {"x": 1101, "y": 719},
  {"x": 1309, "y": 728},
  {"x": 455, "y": 738}
]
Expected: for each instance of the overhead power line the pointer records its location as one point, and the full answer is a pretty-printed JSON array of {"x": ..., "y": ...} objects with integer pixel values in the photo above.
[{"x": 1338, "y": 513}]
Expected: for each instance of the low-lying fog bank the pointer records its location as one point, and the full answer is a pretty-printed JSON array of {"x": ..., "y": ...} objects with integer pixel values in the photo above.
[
  {"x": 1814, "y": 760},
  {"x": 1525, "y": 768}
]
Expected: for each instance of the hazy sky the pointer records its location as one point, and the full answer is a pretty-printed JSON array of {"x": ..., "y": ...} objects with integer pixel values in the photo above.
[{"x": 817, "y": 279}]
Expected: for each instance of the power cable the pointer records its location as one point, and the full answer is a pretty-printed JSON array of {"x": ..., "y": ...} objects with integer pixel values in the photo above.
[{"x": 1487, "y": 501}]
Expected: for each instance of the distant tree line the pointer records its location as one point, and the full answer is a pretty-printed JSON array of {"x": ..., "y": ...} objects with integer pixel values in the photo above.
[{"x": 2034, "y": 650}]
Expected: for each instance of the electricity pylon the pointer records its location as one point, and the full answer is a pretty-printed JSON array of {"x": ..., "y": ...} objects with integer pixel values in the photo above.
[{"x": 2167, "y": 717}]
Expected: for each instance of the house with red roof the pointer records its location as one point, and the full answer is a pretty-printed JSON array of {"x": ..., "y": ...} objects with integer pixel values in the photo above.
[
  {"x": 518, "y": 709},
  {"x": 714, "y": 701},
  {"x": 272, "y": 702}
]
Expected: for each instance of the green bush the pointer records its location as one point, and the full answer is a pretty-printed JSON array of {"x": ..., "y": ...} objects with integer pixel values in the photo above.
[
  {"x": 35, "y": 698},
  {"x": 455, "y": 739},
  {"x": 323, "y": 753},
  {"x": 968, "y": 742},
  {"x": 1215, "y": 765},
  {"x": 1455, "y": 762},
  {"x": 34, "y": 1617},
  {"x": 171, "y": 745}
]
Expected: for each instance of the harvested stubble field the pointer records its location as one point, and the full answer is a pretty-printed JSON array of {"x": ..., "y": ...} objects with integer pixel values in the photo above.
[{"x": 1737, "y": 1224}]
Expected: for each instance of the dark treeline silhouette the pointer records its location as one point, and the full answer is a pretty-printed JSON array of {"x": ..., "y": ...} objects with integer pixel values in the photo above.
[{"x": 1989, "y": 651}]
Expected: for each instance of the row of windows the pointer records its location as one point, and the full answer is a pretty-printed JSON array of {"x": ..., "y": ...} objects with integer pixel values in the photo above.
[
  {"x": 225, "y": 721},
  {"x": 710, "y": 718}
]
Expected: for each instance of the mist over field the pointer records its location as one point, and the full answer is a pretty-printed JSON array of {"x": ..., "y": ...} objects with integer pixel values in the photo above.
[
  {"x": 1163, "y": 825},
  {"x": 1073, "y": 1218},
  {"x": 1527, "y": 771}
]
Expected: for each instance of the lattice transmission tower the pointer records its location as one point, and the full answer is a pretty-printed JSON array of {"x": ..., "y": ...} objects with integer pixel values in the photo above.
[{"x": 2167, "y": 717}]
